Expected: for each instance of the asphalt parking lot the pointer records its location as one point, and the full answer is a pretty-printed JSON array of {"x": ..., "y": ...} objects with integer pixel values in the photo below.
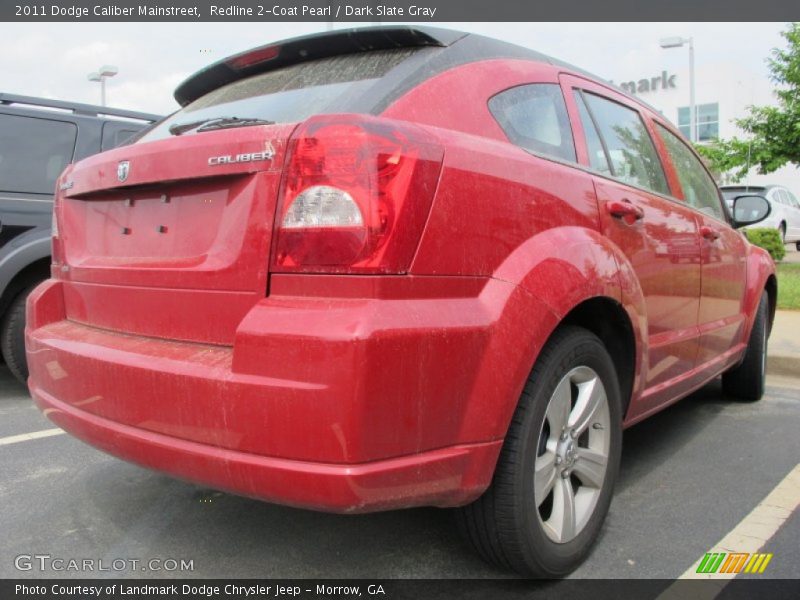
[{"x": 689, "y": 475}]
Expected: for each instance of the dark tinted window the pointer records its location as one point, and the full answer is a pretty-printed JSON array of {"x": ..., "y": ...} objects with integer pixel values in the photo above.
[
  {"x": 116, "y": 134},
  {"x": 33, "y": 152},
  {"x": 535, "y": 118},
  {"x": 630, "y": 149},
  {"x": 293, "y": 93},
  {"x": 597, "y": 155},
  {"x": 699, "y": 189}
]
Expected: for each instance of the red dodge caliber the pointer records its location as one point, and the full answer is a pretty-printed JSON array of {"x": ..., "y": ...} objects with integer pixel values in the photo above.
[{"x": 394, "y": 267}]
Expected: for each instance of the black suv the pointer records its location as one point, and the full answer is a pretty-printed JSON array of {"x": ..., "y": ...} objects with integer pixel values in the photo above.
[{"x": 38, "y": 138}]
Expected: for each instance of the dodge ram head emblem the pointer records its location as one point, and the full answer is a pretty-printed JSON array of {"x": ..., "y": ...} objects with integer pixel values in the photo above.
[{"x": 123, "y": 168}]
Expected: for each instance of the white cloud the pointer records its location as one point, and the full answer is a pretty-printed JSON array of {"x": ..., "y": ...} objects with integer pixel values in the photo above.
[{"x": 53, "y": 59}]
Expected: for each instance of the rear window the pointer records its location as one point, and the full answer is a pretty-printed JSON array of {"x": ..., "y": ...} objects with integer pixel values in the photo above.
[
  {"x": 33, "y": 152},
  {"x": 293, "y": 93}
]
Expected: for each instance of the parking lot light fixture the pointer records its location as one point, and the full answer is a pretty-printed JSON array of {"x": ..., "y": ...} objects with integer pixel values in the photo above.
[
  {"x": 104, "y": 73},
  {"x": 678, "y": 42}
]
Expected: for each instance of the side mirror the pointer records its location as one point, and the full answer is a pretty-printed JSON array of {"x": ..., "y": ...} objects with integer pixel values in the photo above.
[{"x": 749, "y": 210}]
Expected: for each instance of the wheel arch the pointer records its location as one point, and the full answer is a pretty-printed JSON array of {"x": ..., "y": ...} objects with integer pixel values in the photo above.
[
  {"x": 566, "y": 275},
  {"x": 607, "y": 319},
  {"x": 761, "y": 278},
  {"x": 771, "y": 287},
  {"x": 22, "y": 262}
]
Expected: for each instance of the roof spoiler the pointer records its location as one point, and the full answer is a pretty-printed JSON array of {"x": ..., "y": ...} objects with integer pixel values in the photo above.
[
  {"x": 310, "y": 47},
  {"x": 76, "y": 107}
]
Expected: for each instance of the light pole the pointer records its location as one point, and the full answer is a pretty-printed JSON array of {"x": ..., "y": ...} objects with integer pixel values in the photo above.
[
  {"x": 104, "y": 73},
  {"x": 677, "y": 42}
]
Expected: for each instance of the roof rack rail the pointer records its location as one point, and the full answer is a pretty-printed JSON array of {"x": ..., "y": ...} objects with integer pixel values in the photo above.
[{"x": 77, "y": 108}]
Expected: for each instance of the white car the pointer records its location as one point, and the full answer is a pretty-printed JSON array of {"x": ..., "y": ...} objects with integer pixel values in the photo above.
[{"x": 785, "y": 215}]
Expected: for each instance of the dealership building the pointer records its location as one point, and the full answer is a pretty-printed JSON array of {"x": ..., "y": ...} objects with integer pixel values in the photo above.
[{"x": 722, "y": 94}]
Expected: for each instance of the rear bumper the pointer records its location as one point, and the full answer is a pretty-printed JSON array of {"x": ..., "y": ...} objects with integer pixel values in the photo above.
[
  {"x": 444, "y": 477},
  {"x": 368, "y": 413}
]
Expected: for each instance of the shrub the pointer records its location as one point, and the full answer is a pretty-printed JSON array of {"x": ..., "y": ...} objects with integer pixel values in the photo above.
[{"x": 769, "y": 239}]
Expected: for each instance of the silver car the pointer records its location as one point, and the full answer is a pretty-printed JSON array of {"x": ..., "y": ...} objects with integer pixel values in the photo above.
[{"x": 785, "y": 215}]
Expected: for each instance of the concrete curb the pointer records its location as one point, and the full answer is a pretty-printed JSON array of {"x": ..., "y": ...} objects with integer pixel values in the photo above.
[
  {"x": 783, "y": 349},
  {"x": 786, "y": 366}
]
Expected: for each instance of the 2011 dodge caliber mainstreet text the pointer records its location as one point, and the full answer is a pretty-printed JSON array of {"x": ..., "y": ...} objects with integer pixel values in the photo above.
[{"x": 432, "y": 269}]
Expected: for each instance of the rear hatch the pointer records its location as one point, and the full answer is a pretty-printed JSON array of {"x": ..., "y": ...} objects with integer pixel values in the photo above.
[
  {"x": 170, "y": 236},
  {"x": 180, "y": 250}
]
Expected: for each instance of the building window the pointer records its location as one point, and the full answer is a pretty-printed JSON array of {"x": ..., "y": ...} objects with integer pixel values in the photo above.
[{"x": 707, "y": 121}]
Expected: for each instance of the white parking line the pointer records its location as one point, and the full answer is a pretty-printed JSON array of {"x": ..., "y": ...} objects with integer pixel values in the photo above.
[
  {"x": 749, "y": 536},
  {"x": 35, "y": 435}
]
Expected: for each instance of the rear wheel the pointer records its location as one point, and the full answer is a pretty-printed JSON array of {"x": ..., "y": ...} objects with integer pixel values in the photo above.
[
  {"x": 555, "y": 476},
  {"x": 12, "y": 335},
  {"x": 747, "y": 380},
  {"x": 782, "y": 231}
]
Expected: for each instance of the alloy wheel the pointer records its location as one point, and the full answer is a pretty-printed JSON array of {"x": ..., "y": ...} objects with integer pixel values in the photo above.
[{"x": 572, "y": 456}]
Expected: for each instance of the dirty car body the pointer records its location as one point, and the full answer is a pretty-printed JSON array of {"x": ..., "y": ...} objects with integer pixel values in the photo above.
[{"x": 339, "y": 306}]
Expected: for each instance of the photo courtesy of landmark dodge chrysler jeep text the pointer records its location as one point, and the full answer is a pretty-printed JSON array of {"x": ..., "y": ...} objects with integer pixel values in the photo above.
[{"x": 450, "y": 272}]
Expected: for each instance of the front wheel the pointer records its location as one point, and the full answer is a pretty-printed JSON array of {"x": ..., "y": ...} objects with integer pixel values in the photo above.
[
  {"x": 555, "y": 476},
  {"x": 747, "y": 380}
]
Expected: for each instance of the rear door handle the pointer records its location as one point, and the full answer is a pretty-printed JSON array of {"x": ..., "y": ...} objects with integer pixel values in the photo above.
[
  {"x": 624, "y": 209},
  {"x": 709, "y": 233}
]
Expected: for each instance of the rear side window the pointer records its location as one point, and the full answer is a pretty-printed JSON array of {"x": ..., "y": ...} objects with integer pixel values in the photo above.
[
  {"x": 293, "y": 93},
  {"x": 630, "y": 151},
  {"x": 33, "y": 152},
  {"x": 535, "y": 117},
  {"x": 699, "y": 189}
]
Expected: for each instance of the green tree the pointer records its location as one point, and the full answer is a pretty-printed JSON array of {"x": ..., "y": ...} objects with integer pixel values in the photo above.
[{"x": 773, "y": 131}]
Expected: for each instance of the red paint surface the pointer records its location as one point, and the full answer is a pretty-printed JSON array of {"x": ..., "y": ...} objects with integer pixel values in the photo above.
[{"x": 163, "y": 337}]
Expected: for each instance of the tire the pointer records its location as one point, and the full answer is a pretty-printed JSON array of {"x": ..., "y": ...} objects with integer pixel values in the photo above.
[
  {"x": 509, "y": 525},
  {"x": 746, "y": 380},
  {"x": 797, "y": 246},
  {"x": 12, "y": 335},
  {"x": 782, "y": 232}
]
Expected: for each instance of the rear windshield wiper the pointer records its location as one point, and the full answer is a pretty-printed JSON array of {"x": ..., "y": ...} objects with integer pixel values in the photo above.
[{"x": 217, "y": 123}]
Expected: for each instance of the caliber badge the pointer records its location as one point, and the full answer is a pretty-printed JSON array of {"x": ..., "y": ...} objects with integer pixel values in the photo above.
[{"x": 267, "y": 154}]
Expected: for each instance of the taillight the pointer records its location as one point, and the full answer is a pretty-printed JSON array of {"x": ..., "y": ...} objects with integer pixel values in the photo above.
[
  {"x": 355, "y": 195},
  {"x": 56, "y": 250}
]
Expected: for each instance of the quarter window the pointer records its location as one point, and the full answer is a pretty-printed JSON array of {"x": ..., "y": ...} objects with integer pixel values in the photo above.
[
  {"x": 535, "y": 118},
  {"x": 33, "y": 152},
  {"x": 699, "y": 190},
  {"x": 597, "y": 154},
  {"x": 630, "y": 151}
]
